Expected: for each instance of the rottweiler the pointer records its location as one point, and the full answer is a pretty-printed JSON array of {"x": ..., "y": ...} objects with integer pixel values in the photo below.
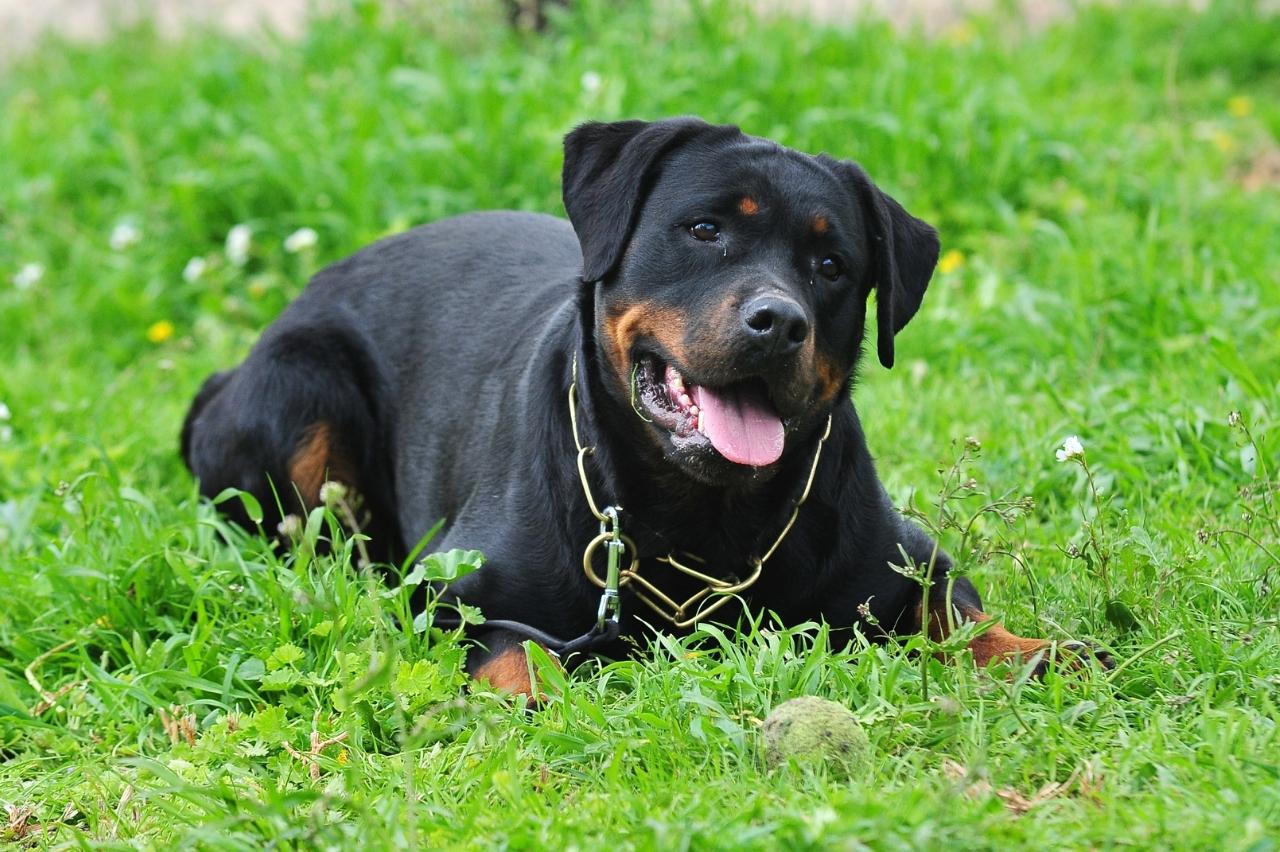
[{"x": 663, "y": 379}]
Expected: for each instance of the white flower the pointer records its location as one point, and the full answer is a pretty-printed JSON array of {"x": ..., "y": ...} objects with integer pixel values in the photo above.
[
  {"x": 4, "y": 412},
  {"x": 1234, "y": 419},
  {"x": 591, "y": 82},
  {"x": 194, "y": 269},
  {"x": 1071, "y": 449},
  {"x": 238, "y": 240},
  {"x": 28, "y": 276},
  {"x": 124, "y": 235},
  {"x": 300, "y": 240},
  {"x": 332, "y": 493},
  {"x": 290, "y": 526}
]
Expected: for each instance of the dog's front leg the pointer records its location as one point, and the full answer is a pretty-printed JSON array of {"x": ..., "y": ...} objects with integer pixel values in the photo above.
[{"x": 948, "y": 608}]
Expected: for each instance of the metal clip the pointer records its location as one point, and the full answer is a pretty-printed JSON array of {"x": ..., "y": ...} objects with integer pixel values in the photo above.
[{"x": 610, "y": 604}]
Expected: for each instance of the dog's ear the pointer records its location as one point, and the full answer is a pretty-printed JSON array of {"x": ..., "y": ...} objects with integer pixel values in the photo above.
[
  {"x": 608, "y": 170},
  {"x": 905, "y": 251}
]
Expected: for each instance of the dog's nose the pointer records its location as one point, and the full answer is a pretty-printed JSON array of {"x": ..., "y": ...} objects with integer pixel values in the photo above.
[{"x": 775, "y": 323}]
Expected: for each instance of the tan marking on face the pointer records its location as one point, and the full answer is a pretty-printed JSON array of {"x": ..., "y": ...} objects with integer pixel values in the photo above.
[
  {"x": 309, "y": 465},
  {"x": 820, "y": 224},
  {"x": 831, "y": 379},
  {"x": 828, "y": 375},
  {"x": 642, "y": 319},
  {"x": 709, "y": 351},
  {"x": 723, "y": 321},
  {"x": 749, "y": 206}
]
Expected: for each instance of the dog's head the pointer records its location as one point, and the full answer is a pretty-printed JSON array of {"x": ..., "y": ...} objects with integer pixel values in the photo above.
[{"x": 730, "y": 277}]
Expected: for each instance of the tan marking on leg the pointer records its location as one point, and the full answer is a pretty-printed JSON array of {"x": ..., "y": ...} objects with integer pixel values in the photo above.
[
  {"x": 749, "y": 206},
  {"x": 508, "y": 671},
  {"x": 995, "y": 643},
  {"x": 309, "y": 464}
]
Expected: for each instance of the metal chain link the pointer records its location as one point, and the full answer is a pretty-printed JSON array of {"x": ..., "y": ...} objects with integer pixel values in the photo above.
[{"x": 679, "y": 613}]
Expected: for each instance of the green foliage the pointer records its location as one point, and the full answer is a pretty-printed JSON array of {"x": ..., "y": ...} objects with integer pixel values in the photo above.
[{"x": 1110, "y": 231}]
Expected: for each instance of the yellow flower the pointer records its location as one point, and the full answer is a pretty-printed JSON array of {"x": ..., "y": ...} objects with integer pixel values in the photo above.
[
  {"x": 342, "y": 757},
  {"x": 951, "y": 261},
  {"x": 960, "y": 34},
  {"x": 160, "y": 331},
  {"x": 1240, "y": 105},
  {"x": 1223, "y": 141}
]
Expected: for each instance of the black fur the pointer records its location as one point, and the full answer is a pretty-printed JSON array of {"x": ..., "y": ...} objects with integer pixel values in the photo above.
[{"x": 441, "y": 360}]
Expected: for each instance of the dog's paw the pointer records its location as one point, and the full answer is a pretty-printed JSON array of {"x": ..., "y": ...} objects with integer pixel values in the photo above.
[{"x": 1073, "y": 655}]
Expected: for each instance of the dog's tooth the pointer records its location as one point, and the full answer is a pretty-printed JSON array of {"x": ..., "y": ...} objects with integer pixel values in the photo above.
[
  {"x": 700, "y": 416},
  {"x": 685, "y": 401},
  {"x": 695, "y": 411}
]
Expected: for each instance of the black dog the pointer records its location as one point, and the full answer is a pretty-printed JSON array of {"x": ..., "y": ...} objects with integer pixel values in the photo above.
[{"x": 712, "y": 307}]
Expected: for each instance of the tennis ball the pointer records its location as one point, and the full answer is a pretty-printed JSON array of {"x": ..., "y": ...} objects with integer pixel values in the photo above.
[{"x": 814, "y": 731}]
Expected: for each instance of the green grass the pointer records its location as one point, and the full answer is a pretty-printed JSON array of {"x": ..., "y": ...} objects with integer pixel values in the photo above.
[{"x": 1113, "y": 281}]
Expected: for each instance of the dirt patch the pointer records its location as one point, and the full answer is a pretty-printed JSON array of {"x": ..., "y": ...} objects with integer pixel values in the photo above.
[
  {"x": 22, "y": 22},
  {"x": 1262, "y": 170}
]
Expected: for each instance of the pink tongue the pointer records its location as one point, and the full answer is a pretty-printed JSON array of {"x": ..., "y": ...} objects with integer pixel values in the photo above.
[{"x": 741, "y": 424}]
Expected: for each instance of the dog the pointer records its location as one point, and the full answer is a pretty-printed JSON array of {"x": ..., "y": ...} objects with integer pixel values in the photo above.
[{"x": 662, "y": 381}]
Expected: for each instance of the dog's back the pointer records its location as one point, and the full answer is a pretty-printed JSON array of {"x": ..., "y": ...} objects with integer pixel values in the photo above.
[{"x": 426, "y": 317}]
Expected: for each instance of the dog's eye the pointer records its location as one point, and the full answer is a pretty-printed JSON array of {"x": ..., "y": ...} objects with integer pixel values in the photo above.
[
  {"x": 830, "y": 268},
  {"x": 705, "y": 231}
]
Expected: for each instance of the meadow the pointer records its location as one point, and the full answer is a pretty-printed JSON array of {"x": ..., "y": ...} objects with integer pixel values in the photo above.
[{"x": 1108, "y": 193}]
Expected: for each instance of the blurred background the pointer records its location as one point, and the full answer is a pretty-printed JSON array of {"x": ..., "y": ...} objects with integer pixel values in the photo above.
[{"x": 22, "y": 22}]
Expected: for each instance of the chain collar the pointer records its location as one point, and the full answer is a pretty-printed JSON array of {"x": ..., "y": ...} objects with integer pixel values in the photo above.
[{"x": 715, "y": 592}]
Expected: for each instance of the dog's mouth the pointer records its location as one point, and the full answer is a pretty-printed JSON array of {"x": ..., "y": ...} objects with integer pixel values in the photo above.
[{"x": 738, "y": 420}]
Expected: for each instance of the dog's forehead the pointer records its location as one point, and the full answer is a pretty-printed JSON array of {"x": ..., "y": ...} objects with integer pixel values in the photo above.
[{"x": 752, "y": 174}]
